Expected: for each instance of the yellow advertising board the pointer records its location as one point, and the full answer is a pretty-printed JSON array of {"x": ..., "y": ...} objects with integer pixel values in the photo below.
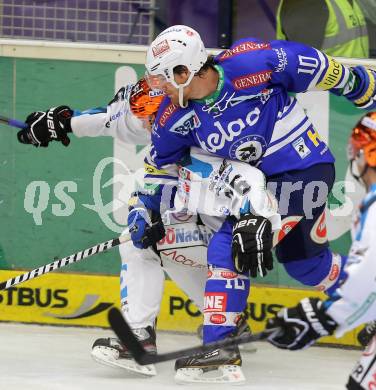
[{"x": 83, "y": 300}]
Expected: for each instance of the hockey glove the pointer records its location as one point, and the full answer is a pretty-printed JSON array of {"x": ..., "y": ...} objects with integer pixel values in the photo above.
[
  {"x": 300, "y": 326},
  {"x": 146, "y": 230},
  {"x": 252, "y": 242},
  {"x": 44, "y": 127},
  {"x": 366, "y": 334},
  {"x": 361, "y": 88}
]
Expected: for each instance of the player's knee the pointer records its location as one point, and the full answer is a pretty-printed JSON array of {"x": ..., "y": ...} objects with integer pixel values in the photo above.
[
  {"x": 324, "y": 271},
  {"x": 219, "y": 249},
  {"x": 130, "y": 254}
]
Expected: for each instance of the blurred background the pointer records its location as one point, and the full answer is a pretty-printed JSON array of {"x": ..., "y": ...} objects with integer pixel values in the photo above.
[{"x": 220, "y": 22}]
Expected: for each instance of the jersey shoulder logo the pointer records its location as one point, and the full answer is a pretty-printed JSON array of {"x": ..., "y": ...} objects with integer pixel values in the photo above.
[
  {"x": 186, "y": 123},
  {"x": 243, "y": 47}
]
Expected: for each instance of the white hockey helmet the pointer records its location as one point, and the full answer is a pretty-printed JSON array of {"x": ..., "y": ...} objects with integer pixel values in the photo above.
[{"x": 177, "y": 45}]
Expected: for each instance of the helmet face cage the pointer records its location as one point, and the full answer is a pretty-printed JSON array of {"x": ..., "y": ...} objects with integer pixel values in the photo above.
[
  {"x": 144, "y": 101},
  {"x": 156, "y": 81}
]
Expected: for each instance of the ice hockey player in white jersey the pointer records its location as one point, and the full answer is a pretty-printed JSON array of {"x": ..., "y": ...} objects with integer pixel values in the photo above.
[
  {"x": 142, "y": 277},
  {"x": 353, "y": 303},
  {"x": 127, "y": 117}
]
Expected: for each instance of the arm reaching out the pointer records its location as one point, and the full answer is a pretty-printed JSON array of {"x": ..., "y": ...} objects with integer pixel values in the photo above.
[{"x": 126, "y": 117}]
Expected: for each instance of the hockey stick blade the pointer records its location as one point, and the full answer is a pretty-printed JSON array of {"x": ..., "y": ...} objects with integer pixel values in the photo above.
[
  {"x": 125, "y": 334},
  {"x": 142, "y": 357}
]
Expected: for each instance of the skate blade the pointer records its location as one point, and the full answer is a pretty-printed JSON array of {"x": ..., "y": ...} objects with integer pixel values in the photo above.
[
  {"x": 109, "y": 357},
  {"x": 227, "y": 374}
]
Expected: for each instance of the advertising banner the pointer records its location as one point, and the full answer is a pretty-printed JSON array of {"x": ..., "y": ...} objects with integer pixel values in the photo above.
[{"x": 83, "y": 300}]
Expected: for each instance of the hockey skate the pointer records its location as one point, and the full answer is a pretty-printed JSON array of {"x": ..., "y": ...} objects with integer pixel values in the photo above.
[
  {"x": 112, "y": 352},
  {"x": 217, "y": 366},
  {"x": 242, "y": 328}
]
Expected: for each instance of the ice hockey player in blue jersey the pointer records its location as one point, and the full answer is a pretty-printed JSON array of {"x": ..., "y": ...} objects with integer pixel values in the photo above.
[{"x": 237, "y": 105}]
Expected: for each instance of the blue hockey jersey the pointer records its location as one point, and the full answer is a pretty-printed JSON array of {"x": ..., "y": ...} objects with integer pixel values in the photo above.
[{"x": 251, "y": 116}]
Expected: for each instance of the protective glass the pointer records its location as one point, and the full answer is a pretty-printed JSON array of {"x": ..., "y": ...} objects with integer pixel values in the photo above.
[{"x": 156, "y": 82}]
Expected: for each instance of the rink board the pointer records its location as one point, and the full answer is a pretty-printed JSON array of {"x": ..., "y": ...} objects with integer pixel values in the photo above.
[{"x": 83, "y": 300}]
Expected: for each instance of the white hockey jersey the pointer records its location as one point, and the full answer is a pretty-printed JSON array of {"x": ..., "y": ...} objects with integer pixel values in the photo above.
[
  {"x": 116, "y": 120},
  {"x": 354, "y": 303}
]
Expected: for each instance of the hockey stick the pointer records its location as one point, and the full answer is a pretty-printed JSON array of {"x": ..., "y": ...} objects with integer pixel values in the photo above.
[
  {"x": 12, "y": 122},
  {"x": 60, "y": 263},
  {"x": 123, "y": 331},
  {"x": 142, "y": 357}
]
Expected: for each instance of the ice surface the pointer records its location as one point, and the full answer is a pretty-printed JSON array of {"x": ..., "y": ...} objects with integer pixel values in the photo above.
[{"x": 54, "y": 358}]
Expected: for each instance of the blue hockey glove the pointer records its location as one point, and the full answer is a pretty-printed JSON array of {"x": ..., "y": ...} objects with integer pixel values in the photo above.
[
  {"x": 300, "y": 326},
  {"x": 146, "y": 230},
  {"x": 362, "y": 92}
]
